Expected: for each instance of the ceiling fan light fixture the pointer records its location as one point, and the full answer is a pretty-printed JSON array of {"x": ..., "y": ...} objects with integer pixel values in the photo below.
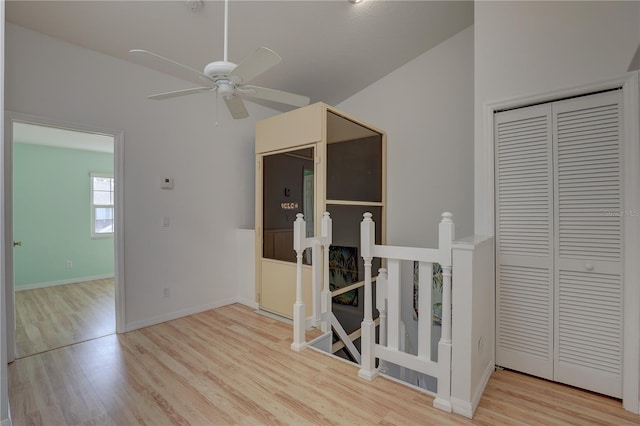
[{"x": 225, "y": 88}]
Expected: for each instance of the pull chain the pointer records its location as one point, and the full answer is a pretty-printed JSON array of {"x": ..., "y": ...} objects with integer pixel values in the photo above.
[{"x": 217, "y": 102}]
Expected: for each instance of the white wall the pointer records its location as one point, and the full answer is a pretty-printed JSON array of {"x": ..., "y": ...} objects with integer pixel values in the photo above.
[
  {"x": 426, "y": 108},
  {"x": 213, "y": 168},
  {"x": 472, "y": 359},
  {"x": 527, "y": 48},
  {"x": 245, "y": 269}
]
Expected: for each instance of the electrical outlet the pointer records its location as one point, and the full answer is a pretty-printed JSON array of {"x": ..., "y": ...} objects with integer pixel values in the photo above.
[
  {"x": 166, "y": 183},
  {"x": 165, "y": 293},
  {"x": 69, "y": 264}
]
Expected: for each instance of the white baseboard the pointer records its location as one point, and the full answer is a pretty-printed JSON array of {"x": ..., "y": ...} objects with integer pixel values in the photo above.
[
  {"x": 7, "y": 421},
  {"x": 468, "y": 408},
  {"x": 477, "y": 394},
  {"x": 61, "y": 282},
  {"x": 179, "y": 314},
  {"x": 247, "y": 302},
  {"x": 462, "y": 407}
]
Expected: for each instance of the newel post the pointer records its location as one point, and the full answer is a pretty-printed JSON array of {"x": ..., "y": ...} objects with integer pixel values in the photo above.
[
  {"x": 327, "y": 232},
  {"x": 299, "y": 227},
  {"x": 367, "y": 340},
  {"x": 446, "y": 236}
]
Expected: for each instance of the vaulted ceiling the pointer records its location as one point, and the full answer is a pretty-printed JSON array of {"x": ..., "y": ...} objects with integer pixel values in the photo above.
[{"x": 331, "y": 49}]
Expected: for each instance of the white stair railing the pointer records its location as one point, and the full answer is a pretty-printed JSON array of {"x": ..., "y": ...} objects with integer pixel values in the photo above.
[
  {"x": 321, "y": 298},
  {"x": 388, "y": 303}
]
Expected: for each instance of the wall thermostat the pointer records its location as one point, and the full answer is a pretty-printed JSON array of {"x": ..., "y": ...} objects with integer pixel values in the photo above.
[{"x": 166, "y": 183}]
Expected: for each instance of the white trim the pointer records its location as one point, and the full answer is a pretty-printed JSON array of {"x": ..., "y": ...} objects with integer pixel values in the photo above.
[
  {"x": 248, "y": 302},
  {"x": 462, "y": 407},
  {"x": 7, "y": 421},
  {"x": 179, "y": 314},
  {"x": 118, "y": 243},
  {"x": 631, "y": 226},
  {"x": 5, "y": 408},
  {"x": 468, "y": 408},
  {"x": 631, "y": 146},
  {"x": 118, "y": 137},
  {"x": 93, "y": 206},
  {"x": 62, "y": 282},
  {"x": 477, "y": 394}
]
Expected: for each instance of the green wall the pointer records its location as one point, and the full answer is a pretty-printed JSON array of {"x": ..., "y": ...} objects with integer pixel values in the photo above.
[{"x": 51, "y": 215}]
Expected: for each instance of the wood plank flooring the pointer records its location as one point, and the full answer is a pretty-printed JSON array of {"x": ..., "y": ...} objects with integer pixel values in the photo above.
[
  {"x": 53, "y": 317},
  {"x": 233, "y": 366}
]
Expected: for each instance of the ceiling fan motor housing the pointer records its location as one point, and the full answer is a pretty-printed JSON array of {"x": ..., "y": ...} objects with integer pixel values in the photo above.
[{"x": 219, "y": 69}]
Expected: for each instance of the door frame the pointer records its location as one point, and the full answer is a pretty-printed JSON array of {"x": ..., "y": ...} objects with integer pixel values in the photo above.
[
  {"x": 631, "y": 202},
  {"x": 7, "y": 220}
]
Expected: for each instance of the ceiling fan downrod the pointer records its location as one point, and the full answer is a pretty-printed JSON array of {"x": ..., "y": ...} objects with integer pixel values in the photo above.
[{"x": 226, "y": 28}]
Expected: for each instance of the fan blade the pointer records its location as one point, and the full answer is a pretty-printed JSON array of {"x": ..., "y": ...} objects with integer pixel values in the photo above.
[
  {"x": 236, "y": 107},
  {"x": 259, "y": 61},
  {"x": 155, "y": 61},
  {"x": 274, "y": 95},
  {"x": 177, "y": 93}
]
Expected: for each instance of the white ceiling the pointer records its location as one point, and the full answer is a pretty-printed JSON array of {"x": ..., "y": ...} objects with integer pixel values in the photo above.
[
  {"x": 61, "y": 138},
  {"x": 331, "y": 49}
]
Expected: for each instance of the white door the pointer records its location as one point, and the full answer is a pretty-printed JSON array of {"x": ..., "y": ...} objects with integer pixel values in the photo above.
[
  {"x": 524, "y": 236},
  {"x": 559, "y": 241},
  {"x": 588, "y": 229}
]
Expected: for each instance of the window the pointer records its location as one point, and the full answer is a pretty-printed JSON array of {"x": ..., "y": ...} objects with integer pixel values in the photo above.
[{"x": 102, "y": 200}]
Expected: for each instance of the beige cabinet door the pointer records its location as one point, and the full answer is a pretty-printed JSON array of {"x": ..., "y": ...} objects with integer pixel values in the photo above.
[{"x": 287, "y": 185}]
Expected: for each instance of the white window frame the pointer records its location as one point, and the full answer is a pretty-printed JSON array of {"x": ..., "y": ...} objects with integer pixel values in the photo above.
[{"x": 93, "y": 206}]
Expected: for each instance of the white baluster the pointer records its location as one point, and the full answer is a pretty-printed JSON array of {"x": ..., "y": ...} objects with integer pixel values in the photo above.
[
  {"x": 394, "y": 334},
  {"x": 425, "y": 284},
  {"x": 326, "y": 229},
  {"x": 446, "y": 236},
  {"x": 367, "y": 339},
  {"x": 299, "y": 227},
  {"x": 316, "y": 279},
  {"x": 381, "y": 305}
]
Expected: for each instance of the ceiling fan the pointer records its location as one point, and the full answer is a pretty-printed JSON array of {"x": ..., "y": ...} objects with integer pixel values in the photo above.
[{"x": 228, "y": 79}]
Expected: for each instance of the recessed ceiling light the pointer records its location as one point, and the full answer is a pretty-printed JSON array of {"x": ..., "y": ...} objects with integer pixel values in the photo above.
[{"x": 355, "y": 1}]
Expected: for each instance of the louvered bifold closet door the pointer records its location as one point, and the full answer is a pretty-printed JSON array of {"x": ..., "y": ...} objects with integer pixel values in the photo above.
[
  {"x": 524, "y": 236},
  {"x": 588, "y": 229}
]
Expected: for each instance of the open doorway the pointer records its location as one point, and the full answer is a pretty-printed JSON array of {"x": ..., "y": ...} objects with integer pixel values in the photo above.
[{"x": 61, "y": 223}]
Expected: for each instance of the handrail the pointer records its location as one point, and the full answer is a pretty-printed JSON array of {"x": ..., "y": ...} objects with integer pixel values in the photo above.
[
  {"x": 388, "y": 299},
  {"x": 350, "y": 287}
]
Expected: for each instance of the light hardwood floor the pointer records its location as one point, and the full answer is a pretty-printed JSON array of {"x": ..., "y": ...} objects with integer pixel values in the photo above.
[
  {"x": 233, "y": 366},
  {"x": 53, "y": 317}
]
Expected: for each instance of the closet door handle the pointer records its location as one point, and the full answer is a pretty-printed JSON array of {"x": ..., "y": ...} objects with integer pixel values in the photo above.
[{"x": 588, "y": 266}]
